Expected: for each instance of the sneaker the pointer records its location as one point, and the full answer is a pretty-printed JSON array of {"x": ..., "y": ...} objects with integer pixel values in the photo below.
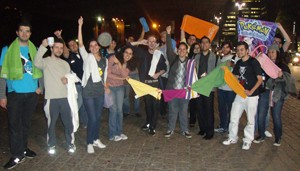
[
  {"x": 152, "y": 132},
  {"x": 145, "y": 127},
  {"x": 115, "y": 138},
  {"x": 229, "y": 141},
  {"x": 13, "y": 162},
  {"x": 259, "y": 139},
  {"x": 277, "y": 142},
  {"x": 29, "y": 153},
  {"x": 187, "y": 134},
  {"x": 268, "y": 134},
  {"x": 71, "y": 148},
  {"x": 99, "y": 144},
  {"x": 246, "y": 146},
  {"x": 123, "y": 137},
  {"x": 90, "y": 149},
  {"x": 168, "y": 134},
  {"x": 52, "y": 150},
  {"x": 220, "y": 130},
  {"x": 202, "y": 133}
]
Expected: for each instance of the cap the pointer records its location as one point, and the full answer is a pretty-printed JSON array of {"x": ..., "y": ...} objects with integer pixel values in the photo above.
[{"x": 274, "y": 47}]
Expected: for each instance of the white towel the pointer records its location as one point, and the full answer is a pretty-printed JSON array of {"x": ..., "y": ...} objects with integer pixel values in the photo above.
[
  {"x": 72, "y": 98},
  {"x": 154, "y": 62}
]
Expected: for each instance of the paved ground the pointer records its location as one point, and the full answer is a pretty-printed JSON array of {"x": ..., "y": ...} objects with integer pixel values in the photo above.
[{"x": 143, "y": 152}]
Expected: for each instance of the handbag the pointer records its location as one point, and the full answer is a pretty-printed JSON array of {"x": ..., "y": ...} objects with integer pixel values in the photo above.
[{"x": 107, "y": 100}]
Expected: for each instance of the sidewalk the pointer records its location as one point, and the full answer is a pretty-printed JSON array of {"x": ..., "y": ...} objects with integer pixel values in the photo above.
[{"x": 145, "y": 153}]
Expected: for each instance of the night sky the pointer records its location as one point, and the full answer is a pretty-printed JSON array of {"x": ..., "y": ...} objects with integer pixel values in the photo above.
[{"x": 48, "y": 15}]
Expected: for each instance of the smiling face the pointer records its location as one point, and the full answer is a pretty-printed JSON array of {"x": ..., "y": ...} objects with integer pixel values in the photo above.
[
  {"x": 57, "y": 49},
  {"x": 272, "y": 54},
  {"x": 226, "y": 49},
  {"x": 241, "y": 51},
  {"x": 191, "y": 40},
  {"x": 205, "y": 45},
  {"x": 196, "y": 49},
  {"x": 24, "y": 33},
  {"x": 94, "y": 47},
  {"x": 73, "y": 46},
  {"x": 127, "y": 54},
  {"x": 152, "y": 43},
  {"x": 182, "y": 51}
]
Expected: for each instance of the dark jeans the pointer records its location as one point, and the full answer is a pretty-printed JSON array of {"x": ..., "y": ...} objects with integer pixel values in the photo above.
[
  {"x": 163, "y": 104},
  {"x": 276, "y": 114},
  {"x": 20, "y": 108},
  {"x": 262, "y": 112},
  {"x": 205, "y": 111},
  {"x": 94, "y": 107},
  {"x": 193, "y": 110},
  {"x": 152, "y": 110},
  {"x": 225, "y": 100}
]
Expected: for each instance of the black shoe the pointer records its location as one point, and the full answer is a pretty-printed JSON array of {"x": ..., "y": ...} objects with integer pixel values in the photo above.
[
  {"x": 29, "y": 153},
  {"x": 208, "y": 137},
  {"x": 13, "y": 162},
  {"x": 138, "y": 115},
  {"x": 259, "y": 139},
  {"x": 145, "y": 127},
  {"x": 152, "y": 132},
  {"x": 277, "y": 142},
  {"x": 187, "y": 134},
  {"x": 202, "y": 133}
]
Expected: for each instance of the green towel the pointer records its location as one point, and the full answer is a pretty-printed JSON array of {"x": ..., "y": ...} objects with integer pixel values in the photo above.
[
  {"x": 12, "y": 67},
  {"x": 214, "y": 79}
]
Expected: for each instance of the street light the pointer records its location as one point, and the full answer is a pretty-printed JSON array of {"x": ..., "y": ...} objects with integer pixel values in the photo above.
[
  {"x": 240, "y": 5},
  {"x": 218, "y": 33}
]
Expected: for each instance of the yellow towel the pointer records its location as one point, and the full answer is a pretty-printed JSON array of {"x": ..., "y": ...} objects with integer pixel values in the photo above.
[
  {"x": 142, "y": 89},
  {"x": 233, "y": 83}
]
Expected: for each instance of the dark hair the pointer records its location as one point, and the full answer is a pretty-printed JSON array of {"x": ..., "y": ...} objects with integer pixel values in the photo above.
[
  {"x": 205, "y": 37},
  {"x": 182, "y": 43},
  {"x": 227, "y": 43},
  {"x": 279, "y": 37},
  {"x": 192, "y": 35},
  {"x": 131, "y": 64},
  {"x": 191, "y": 53},
  {"x": 67, "y": 44},
  {"x": 58, "y": 40},
  {"x": 243, "y": 44},
  {"x": 24, "y": 23},
  {"x": 91, "y": 40}
]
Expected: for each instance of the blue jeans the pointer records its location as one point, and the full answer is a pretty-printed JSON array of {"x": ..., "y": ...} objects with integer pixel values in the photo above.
[
  {"x": 94, "y": 107},
  {"x": 276, "y": 113},
  {"x": 178, "y": 107},
  {"x": 83, "y": 118},
  {"x": 116, "y": 112},
  {"x": 126, "y": 103},
  {"x": 262, "y": 112},
  {"x": 225, "y": 100}
]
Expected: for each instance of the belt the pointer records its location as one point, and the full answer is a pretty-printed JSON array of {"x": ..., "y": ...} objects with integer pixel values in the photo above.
[{"x": 151, "y": 81}]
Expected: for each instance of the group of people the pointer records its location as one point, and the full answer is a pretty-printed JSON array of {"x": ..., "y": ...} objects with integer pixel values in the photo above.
[{"x": 28, "y": 72}]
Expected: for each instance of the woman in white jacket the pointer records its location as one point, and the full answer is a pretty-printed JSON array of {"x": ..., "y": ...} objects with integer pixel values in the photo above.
[{"x": 93, "y": 82}]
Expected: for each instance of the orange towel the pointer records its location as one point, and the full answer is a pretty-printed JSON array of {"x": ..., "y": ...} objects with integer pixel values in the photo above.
[
  {"x": 198, "y": 27},
  {"x": 233, "y": 83}
]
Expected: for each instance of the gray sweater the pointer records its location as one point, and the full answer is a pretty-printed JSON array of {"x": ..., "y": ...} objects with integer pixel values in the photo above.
[{"x": 54, "y": 69}]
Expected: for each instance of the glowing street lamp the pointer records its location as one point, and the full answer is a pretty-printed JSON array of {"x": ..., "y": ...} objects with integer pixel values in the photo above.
[
  {"x": 218, "y": 19},
  {"x": 240, "y": 5},
  {"x": 154, "y": 25}
]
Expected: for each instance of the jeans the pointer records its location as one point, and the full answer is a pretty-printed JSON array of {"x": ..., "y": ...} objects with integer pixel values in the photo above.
[
  {"x": 225, "y": 100},
  {"x": 128, "y": 90},
  {"x": 94, "y": 107},
  {"x": 116, "y": 112},
  {"x": 249, "y": 104},
  {"x": 178, "y": 107},
  {"x": 20, "y": 107},
  {"x": 53, "y": 109},
  {"x": 262, "y": 112},
  {"x": 276, "y": 114},
  {"x": 205, "y": 111},
  {"x": 126, "y": 103},
  {"x": 83, "y": 118}
]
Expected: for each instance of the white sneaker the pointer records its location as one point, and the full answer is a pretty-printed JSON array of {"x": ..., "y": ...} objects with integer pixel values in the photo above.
[
  {"x": 99, "y": 144},
  {"x": 268, "y": 134},
  {"x": 52, "y": 150},
  {"x": 72, "y": 149},
  {"x": 123, "y": 136},
  {"x": 246, "y": 146},
  {"x": 229, "y": 141},
  {"x": 90, "y": 149},
  {"x": 115, "y": 138}
]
